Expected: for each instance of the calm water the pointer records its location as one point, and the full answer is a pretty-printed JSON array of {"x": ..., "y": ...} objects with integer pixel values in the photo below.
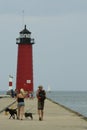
[
  {"x": 77, "y": 101},
  {"x": 2, "y": 92}
]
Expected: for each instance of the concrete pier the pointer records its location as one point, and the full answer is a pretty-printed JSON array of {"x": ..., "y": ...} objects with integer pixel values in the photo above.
[{"x": 55, "y": 117}]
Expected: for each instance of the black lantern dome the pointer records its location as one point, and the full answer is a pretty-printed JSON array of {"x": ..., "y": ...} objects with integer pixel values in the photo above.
[
  {"x": 25, "y": 31},
  {"x": 25, "y": 37}
]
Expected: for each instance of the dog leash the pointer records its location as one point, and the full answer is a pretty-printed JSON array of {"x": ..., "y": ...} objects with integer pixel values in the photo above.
[{"x": 7, "y": 106}]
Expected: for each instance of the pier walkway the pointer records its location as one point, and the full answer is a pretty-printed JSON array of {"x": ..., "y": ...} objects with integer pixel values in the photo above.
[{"x": 55, "y": 117}]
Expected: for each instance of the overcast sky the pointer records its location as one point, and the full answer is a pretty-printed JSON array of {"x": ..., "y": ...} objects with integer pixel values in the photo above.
[{"x": 59, "y": 28}]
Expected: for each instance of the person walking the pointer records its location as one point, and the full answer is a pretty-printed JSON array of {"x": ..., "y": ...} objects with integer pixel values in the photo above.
[
  {"x": 21, "y": 104},
  {"x": 41, "y": 96}
]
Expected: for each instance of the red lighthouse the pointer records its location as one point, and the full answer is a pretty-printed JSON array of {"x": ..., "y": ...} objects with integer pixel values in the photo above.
[{"x": 24, "y": 76}]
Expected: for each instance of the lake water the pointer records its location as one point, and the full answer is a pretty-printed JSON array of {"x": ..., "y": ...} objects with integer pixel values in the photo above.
[{"x": 76, "y": 101}]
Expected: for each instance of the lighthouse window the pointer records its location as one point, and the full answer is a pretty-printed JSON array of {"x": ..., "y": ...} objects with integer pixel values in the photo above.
[
  {"x": 18, "y": 40},
  {"x": 27, "y": 35},
  {"x": 21, "y": 35},
  {"x": 24, "y": 35}
]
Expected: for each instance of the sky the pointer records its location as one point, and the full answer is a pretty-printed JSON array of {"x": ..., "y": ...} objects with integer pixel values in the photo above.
[{"x": 59, "y": 28}]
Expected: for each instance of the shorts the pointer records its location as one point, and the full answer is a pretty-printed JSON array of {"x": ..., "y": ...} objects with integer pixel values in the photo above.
[
  {"x": 21, "y": 104},
  {"x": 40, "y": 105}
]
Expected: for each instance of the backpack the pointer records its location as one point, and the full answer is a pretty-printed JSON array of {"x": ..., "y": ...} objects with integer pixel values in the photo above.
[{"x": 41, "y": 95}]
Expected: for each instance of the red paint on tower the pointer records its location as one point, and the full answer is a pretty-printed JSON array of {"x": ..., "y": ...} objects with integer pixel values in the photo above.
[{"x": 24, "y": 77}]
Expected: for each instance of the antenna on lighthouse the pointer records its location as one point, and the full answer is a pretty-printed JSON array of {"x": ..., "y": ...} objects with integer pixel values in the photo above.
[{"x": 23, "y": 18}]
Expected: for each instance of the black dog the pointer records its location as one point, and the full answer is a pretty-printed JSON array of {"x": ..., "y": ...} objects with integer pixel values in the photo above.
[
  {"x": 12, "y": 112},
  {"x": 28, "y": 115}
]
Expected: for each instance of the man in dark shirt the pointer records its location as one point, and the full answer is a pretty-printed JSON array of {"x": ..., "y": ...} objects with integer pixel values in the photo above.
[{"x": 41, "y": 96}]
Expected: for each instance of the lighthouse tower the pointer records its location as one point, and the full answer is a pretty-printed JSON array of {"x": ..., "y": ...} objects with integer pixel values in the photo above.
[
  {"x": 24, "y": 75},
  {"x": 10, "y": 82}
]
